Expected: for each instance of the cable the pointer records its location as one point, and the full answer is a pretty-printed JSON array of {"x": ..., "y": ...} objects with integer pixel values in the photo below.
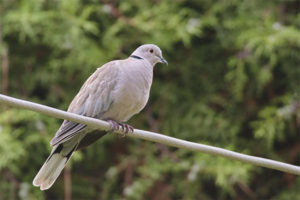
[{"x": 151, "y": 136}]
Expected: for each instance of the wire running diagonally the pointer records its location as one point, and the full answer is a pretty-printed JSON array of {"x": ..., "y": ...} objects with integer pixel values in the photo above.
[{"x": 151, "y": 136}]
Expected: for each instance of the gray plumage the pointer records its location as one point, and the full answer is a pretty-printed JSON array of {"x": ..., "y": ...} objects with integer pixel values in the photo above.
[{"x": 116, "y": 91}]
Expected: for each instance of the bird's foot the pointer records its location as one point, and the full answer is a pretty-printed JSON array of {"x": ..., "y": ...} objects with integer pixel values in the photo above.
[
  {"x": 126, "y": 128},
  {"x": 114, "y": 126}
]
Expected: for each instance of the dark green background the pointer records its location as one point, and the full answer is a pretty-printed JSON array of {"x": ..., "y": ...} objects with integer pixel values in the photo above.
[{"x": 233, "y": 81}]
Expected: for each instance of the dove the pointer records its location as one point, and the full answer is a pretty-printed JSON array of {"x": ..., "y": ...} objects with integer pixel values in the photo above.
[{"x": 115, "y": 92}]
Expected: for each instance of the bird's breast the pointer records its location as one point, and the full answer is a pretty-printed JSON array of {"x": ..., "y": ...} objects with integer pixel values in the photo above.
[{"x": 130, "y": 95}]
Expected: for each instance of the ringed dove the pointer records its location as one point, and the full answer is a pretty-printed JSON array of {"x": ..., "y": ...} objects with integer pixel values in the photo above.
[{"x": 114, "y": 92}]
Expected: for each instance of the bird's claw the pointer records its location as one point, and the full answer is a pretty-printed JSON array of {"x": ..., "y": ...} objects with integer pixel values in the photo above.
[
  {"x": 114, "y": 126},
  {"x": 126, "y": 129}
]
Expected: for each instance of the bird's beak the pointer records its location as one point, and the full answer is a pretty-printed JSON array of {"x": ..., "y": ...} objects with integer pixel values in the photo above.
[{"x": 163, "y": 60}]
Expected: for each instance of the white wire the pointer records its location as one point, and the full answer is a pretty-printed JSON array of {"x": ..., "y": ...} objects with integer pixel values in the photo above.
[{"x": 151, "y": 136}]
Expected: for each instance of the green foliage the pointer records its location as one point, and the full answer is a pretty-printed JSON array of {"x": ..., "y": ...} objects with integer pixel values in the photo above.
[{"x": 232, "y": 81}]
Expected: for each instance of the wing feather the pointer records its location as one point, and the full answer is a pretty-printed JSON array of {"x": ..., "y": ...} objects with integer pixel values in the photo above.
[{"x": 93, "y": 99}]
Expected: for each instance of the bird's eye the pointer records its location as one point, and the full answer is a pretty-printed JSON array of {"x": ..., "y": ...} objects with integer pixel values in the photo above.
[{"x": 151, "y": 50}]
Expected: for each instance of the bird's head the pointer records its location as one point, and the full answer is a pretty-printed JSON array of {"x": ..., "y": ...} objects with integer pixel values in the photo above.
[{"x": 151, "y": 53}]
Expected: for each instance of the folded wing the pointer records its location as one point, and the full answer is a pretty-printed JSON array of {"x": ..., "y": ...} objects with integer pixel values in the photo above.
[{"x": 93, "y": 99}]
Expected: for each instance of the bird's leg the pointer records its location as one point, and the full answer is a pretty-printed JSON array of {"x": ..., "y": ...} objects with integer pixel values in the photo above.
[{"x": 114, "y": 126}]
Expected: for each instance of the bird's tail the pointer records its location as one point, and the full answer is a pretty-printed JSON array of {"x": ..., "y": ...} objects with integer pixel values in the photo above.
[{"x": 53, "y": 166}]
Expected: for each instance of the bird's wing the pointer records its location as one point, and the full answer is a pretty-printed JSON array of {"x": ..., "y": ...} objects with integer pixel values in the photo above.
[{"x": 93, "y": 99}]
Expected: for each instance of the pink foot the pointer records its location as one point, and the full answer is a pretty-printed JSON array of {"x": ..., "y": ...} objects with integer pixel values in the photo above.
[{"x": 114, "y": 126}]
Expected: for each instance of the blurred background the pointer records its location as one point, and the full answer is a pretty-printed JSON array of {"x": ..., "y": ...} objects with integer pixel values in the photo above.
[{"x": 233, "y": 81}]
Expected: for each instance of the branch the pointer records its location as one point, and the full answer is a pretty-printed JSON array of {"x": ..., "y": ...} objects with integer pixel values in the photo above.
[{"x": 154, "y": 137}]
